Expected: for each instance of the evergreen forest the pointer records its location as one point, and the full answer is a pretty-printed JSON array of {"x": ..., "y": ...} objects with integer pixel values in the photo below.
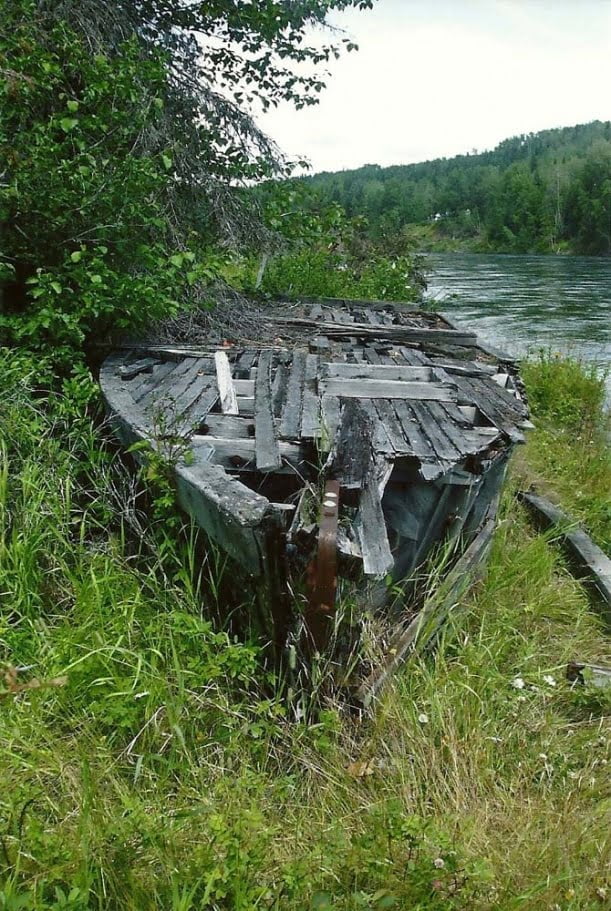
[{"x": 547, "y": 192}]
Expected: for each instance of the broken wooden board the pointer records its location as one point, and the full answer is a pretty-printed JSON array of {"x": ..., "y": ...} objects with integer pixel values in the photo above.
[
  {"x": 370, "y": 526},
  {"x": 267, "y": 450},
  {"x": 290, "y": 424},
  {"x": 586, "y": 558},
  {"x": 227, "y": 392},
  {"x": 589, "y": 674},
  {"x": 228, "y": 511},
  {"x": 421, "y": 628},
  {"x": 388, "y": 389},
  {"x": 343, "y": 370}
]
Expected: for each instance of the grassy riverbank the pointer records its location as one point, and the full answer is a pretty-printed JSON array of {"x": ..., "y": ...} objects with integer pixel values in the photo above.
[{"x": 153, "y": 771}]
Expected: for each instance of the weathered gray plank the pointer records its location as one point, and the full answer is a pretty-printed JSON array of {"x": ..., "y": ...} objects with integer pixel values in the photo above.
[
  {"x": 201, "y": 383},
  {"x": 229, "y": 511},
  {"x": 240, "y": 454},
  {"x": 227, "y": 393},
  {"x": 145, "y": 365},
  {"x": 382, "y": 372},
  {"x": 420, "y": 444},
  {"x": 193, "y": 416},
  {"x": 389, "y": 389},
  {"x": 154, "y": 379},
  {"x": 310, "y": 415},
  {"x": 426, "y": 623},
  {"x": 244, "y": 363},
  {"x": 413, "y": 356},
  {"x": 381, "y": 441},
  {"x": 371, "y": 532},
  {"x": 290, "y": 423},
  {"x": 587, "y": 559},
  {"x": 593, "y": 674},
  {"x": 392, "y": 332},
  {"x": 164, "y": 388},
  {"x": 441, "y": 443},
  {"x": 229, "y": 426},
  {"x": 331, "y": 417},
  {"x": 279, "y": 385},
  {"x": 267, "y": 450},
  {"x": 370, "y": 355},
  {"x": 392, "y": 425},
  {"x": 452, "y": 428},
  {"x": 353, "y": 456}
]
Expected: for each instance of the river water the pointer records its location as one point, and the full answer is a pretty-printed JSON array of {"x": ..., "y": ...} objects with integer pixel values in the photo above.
[{"x": 525, "y": 303}]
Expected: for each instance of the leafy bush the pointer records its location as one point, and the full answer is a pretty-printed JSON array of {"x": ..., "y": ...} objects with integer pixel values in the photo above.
[
  {"x": 329, "y": 255},
  {"x": 85, "y": 241}
]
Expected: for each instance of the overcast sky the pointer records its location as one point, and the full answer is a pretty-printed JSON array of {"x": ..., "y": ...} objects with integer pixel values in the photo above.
[{"x": 442, "y": 77}]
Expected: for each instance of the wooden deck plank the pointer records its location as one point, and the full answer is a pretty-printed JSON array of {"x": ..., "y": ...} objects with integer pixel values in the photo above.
[
  {"x": 143, "y": 365},
  {"x": 330, "y": 420},
  {"x": 413, "y": 356},
  {"x": 398, "y": 333},
  {"x": 389, "y": 389},
  {"x": 380, "y": 439},
  {"x": 163, "y": 389},
  {"x": 420, "y": 444},
  {"x": 266, "y": 445},
  {"x": 451, "y": 428},
  {"x": 153, "y": 379},
  {"x": 392, "y": 425},
  {"x": 244, "y": 363},
  {"x": 589, "y": 561},
  {"x": 371, "y": 532},
  {"x": 310, "y": 416},
  {"x": 441, "y": 443},
  {"x": 290, "y": 423},
  {"x": 198, "y": 411},
  {"x": 353, "y": 456},
  {"x": 224, "y": 379},
  {"x": 341, "y": 370}
]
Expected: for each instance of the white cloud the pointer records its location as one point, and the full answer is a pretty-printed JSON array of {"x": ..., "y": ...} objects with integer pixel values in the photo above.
[{"x": 438, "y": 78}]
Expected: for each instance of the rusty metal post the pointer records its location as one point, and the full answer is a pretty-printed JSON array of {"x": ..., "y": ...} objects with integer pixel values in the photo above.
[{"x": 323, "y": 574}]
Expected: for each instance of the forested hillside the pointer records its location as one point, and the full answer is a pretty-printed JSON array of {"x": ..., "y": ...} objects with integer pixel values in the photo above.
[{"x": 539, "y": 192}]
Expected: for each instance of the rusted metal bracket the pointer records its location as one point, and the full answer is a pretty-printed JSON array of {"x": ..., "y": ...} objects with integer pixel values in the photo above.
[{"x": 323, "y": 571}]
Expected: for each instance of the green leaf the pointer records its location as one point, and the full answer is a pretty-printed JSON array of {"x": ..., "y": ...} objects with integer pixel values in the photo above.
[
  {"x": 167, "y": 162},
  {"x": 72, "y": 106},
  {"x": 177, "y": 260},
  {"x": 76, "y": 257},
  {"x": 68, "y": 123},
  {"x": 95, "y": 279},
  {"x": 56, "y": 287}
]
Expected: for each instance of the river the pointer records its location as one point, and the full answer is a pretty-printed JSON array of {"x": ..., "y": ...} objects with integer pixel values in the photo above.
[{"x": 525, "y": 303}]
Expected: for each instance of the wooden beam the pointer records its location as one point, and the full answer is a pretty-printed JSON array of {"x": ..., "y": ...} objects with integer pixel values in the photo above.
[
  {"x": 266, "y": 442},
  {"x": 290, "y": 424},
  {"x": 396, "y": 333},
  {"x": 389, "y": 389},
  {"x": 587, "y": 559},
  {"x": 428, "y": 620},
  {"x": 383, "y": 372},
  {"x": 227, "y": 393}
]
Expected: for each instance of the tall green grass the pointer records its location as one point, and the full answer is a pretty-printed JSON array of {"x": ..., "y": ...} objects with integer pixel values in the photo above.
[{"x": 163, "y": 775}]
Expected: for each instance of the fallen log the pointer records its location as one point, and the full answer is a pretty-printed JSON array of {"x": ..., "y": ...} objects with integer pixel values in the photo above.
[{"x": 586, "y": 559}]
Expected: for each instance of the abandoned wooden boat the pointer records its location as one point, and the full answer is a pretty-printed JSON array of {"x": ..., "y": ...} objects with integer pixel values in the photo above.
[{"x": 349, "y": 439}]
